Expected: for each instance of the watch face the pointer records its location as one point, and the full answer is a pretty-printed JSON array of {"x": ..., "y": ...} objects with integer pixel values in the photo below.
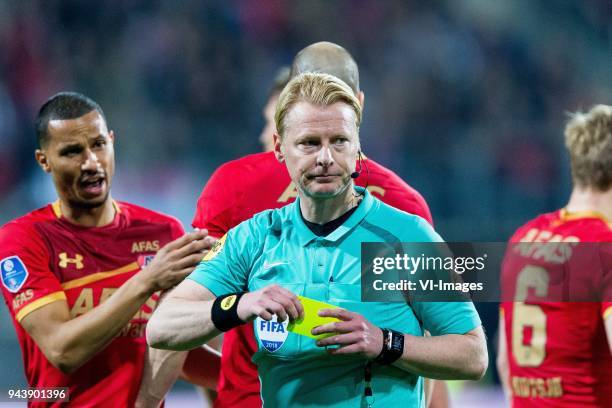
[
  {"x": 397, "y": 341},
  {"x": 393, "y": 347}
]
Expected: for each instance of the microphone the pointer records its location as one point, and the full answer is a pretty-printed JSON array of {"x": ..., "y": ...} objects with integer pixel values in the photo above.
[{"x": 357, "y": 173}]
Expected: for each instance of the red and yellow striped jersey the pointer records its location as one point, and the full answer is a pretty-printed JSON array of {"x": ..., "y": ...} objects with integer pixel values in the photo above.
[
  {"x": 558, "y": 353},
  {"x": 45, "y": 258}
]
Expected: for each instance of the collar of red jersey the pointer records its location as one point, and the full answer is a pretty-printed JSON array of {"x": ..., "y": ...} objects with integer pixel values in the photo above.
[
  {"x": 565, "y": 215},
  {"x": 57, "y": 208}
]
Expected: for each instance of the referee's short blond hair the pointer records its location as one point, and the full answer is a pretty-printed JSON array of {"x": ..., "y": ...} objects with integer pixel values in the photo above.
[
  {"x": 588, "y": 137},
  {"x": 318, "y": 89}
]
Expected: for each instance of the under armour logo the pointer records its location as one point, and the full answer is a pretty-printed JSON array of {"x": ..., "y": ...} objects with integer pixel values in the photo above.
[{"x": 64, "y": 260}]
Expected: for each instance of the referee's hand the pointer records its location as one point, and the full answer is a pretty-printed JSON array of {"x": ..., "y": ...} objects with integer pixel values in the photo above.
[
  {"x": 353, "y": 334},
  {"x": 268, "y": 301},
  {"x": 176, "y": 260}
]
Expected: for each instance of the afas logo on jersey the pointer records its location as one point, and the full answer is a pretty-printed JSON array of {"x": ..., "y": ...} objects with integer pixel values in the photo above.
[
  {"x": 214, "y": 251},
  {"x": 272, "y": 334},
  {"x": 22, "y": 298},
  {"x": 13, "y": 273},
  {"x": 145, "y": 246}
]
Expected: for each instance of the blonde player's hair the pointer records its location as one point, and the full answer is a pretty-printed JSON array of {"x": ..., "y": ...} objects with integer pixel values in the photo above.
[
  {"x": 318, "y": 89},
  {"x": 588, "y": 137}
]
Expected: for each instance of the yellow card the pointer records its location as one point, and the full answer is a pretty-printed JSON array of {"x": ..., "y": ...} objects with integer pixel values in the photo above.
[{"x": 312, "y": 319}]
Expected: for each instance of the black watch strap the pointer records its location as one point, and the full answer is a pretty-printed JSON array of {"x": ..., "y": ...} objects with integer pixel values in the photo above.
[{"x": 393, "y": 347}]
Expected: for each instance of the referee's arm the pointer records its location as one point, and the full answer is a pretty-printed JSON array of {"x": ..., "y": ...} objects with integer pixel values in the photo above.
[
  {"x": 184, "y": 320},
  {"x": 446, "y": 357},
  {"x": 442, "y": 357}
]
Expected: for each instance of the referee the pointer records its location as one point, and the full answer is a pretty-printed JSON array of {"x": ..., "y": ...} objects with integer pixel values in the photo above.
[{"x": 312, "y": 248}]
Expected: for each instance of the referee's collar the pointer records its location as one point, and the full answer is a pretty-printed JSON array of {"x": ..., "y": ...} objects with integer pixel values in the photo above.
[{"x": 305, "y": 235}]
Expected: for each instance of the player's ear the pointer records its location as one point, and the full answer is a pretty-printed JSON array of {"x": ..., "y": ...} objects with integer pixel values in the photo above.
[
  {"x": 361, "y": 98},
  {"x": 111, "y": 136},
  {"x": 41, "y": 158},
  {"x": 278, "y": 148}
]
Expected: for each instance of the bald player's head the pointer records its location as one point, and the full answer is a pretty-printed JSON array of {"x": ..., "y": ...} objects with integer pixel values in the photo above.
[{"x": 329, "y": 58}]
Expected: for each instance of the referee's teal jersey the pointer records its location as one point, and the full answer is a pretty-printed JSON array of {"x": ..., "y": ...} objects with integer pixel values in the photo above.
[{"x": 276, "y": 246}]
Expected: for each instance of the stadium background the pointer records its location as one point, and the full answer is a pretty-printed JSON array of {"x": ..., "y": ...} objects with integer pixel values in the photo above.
[{"x": 466, "y": 100}]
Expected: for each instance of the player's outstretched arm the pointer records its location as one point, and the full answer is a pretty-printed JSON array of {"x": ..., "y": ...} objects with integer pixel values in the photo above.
[
  {"x": 70, "y": 342},
  {"x": 199, "y": 366},
  {"x": 183, "y": 320},
  {"x": 445, "y": 357},
  {"x": 161, "y": 369}
]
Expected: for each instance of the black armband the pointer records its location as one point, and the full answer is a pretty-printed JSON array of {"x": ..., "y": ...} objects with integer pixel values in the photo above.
[
  {"x": 224, "y": 312},
  {"x": 393, "y": 347}
]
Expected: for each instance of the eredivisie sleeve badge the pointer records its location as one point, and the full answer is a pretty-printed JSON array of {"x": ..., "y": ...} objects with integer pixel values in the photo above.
[{"x": 13, "y": 273}]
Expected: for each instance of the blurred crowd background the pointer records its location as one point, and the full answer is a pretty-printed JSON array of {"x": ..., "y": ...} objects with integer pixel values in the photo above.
[{"x": 466, "y": 100}]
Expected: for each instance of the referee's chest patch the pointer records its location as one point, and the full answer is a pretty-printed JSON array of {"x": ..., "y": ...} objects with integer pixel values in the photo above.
[
  {"x": 272, "y": 334},
  {"x": 13, "y": 273}
]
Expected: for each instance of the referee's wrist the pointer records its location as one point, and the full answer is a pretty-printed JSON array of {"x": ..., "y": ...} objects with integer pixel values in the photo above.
[
  {"x": 393, "y": 347},
  {"x": 383, "y": 333},
  {"x": 224, "y": 312}
]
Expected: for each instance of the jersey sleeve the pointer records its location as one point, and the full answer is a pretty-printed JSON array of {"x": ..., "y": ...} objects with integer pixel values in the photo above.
[
  {"x": 27, "y": 282},
  {"x": 226, "y": 267},
  {"x": 217, "y": 203},
  {"x": 447, "y": 317},
  {"x": 426, "y": 231},
  {"x": 443, "y": 317}
]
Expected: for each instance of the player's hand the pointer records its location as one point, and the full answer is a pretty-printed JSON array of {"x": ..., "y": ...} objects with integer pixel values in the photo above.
[
  {"x": 176, "y": 260},
  {"x": 268, "y": 301},
  {"x": 354, "y": 334}
]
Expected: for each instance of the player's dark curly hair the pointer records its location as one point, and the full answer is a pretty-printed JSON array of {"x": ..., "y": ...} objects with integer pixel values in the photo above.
[{"x": 62, "y": 106}]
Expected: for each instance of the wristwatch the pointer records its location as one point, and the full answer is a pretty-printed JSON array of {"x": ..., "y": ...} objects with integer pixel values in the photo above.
[{"x": 393, "y": 347}]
